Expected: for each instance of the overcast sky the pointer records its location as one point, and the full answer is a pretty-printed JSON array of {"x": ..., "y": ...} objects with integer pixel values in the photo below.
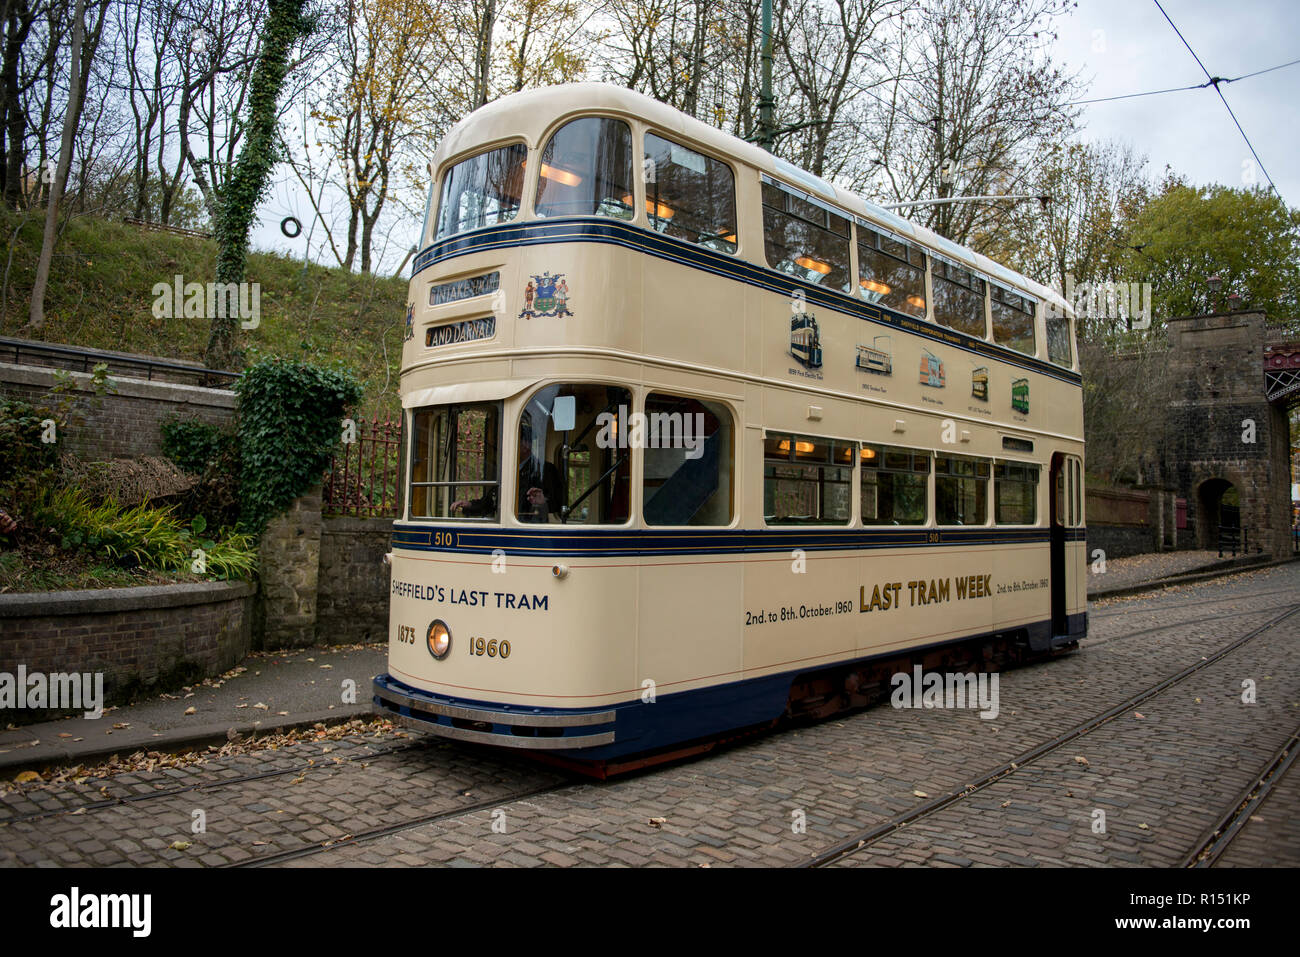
[
  {"x": 1119, "y": 47},
  {"x": 1127, "y": 46}
]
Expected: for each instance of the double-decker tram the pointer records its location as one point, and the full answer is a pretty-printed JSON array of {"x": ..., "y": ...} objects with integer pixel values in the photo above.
[{"x": 670, "y": 472}]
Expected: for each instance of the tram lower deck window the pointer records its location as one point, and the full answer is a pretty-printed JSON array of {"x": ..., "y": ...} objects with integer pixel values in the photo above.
[
  {"x": 894, "y": 485},
  {"x": 688, "y": 475},
  {"x": 961, "y": 490},
  {"x": 455, "y": 454},
  {"x": 806, "y": 480},
  {"x": 574, "y": 459},
  {"x": 1015, "y": 493}
]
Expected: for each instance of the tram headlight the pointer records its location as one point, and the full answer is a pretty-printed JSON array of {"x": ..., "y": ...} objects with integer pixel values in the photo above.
[{"x": 438, "y": 639}]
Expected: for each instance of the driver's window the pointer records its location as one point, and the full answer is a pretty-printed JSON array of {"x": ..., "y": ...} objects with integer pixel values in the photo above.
[{"x": 573, "y": 460}]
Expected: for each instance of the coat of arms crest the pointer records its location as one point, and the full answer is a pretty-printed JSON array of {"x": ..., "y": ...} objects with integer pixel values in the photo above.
[{"x": 546, "y": 295}]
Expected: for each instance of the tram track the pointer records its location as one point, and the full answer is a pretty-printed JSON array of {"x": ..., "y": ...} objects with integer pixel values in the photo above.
[
  {"x": 1217, "y": 838},
  {"x": 199, "y": 786},
  {"x": 372, "y": 834},
  {"x": 869, "y": 836}
]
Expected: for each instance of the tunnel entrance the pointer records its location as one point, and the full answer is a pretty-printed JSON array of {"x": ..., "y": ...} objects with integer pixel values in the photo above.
[{"x": 1218, "y": 522}]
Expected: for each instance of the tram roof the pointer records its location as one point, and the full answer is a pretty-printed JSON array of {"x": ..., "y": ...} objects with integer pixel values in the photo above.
[{"x": 532, "y": 112}]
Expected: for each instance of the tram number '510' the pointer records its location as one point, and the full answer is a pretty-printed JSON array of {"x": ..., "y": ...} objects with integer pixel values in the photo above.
[{"x": 491, "y": 647}]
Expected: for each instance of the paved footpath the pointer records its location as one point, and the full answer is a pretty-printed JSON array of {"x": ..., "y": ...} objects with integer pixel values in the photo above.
[{"x": 1161, "y": 773}]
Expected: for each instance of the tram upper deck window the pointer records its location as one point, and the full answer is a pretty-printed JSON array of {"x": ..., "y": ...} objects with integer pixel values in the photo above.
[
  {"x": 689, "y": 476},
  {"x": 958, "y": 299},
  {"x": 689, "y": 195},
  {"x": 961, "y": 490},
  {"x": 574, "y": 460},
  {"x": 586, "y": 170},
  {"x": 807, "y": 481},
  {"x": 891, "y": 273},
  {"x": 455, "y": 451},
  {"x": 482, "y": 191},
  {"x": 805, "y": 240},
  {"x": 894, "y": 484},
  {"x": 1013, "y": 320},
  {"x": 1015, "y": 493},
  {"x": 1059, "y": 338}
]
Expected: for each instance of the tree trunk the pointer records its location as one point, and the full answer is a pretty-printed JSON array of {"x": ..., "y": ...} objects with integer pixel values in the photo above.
[{"x": 37, "y": 316}]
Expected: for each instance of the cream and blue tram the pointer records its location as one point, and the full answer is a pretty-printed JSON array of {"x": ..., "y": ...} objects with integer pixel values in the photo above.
[{"x": 652, "y": 495}]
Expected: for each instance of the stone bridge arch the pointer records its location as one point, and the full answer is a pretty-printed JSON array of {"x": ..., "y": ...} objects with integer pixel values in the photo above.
[{"x": 1222, "y": 429}]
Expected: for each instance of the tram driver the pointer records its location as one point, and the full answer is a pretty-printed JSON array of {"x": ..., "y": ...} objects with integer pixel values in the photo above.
[{"x": 539, "y": 487}]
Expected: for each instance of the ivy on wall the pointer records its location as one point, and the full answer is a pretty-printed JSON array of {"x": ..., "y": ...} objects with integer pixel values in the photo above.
[
  {"x": 239, "y": 197},
  {"x": 290, "y": 420}
]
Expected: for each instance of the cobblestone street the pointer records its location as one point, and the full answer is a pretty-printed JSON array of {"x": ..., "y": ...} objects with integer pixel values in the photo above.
[{"x": 1148, "y": 786}]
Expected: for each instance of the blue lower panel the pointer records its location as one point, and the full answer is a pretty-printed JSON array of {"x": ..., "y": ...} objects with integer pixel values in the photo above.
[{"x": 637, "y": 726}]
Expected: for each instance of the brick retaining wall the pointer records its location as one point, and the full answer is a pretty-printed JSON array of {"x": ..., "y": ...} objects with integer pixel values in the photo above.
[
  {"x": 126, "y": 423},
  {"x": 143, "y": 639}
]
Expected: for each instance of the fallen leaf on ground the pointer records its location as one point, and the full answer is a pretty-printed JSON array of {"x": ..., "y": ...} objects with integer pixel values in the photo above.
[
  {"x": 191, "y": 710},
  {"x": 1081, "y": 760},
  {"x": 920, "y": 794}
]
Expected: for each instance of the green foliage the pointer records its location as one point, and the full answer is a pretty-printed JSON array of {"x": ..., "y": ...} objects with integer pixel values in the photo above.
[
  {"x": 289, "y": 424},
  {"x": 141, "y": 536},
  {"x": 250, "y": 178},
  {"x": 1248, "y": 237},
  {"x": 192, "y": 445},
  {"x": 21, "y": 450}
]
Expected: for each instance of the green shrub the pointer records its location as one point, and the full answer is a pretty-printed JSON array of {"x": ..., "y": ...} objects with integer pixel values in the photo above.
[
  {"x": 290, "y": 416},
  {"x": 193, "y": 446},
  {"x": 143, "y": 536}
]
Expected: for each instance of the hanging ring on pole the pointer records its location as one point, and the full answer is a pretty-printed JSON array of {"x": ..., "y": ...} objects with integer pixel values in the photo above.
[{"x": 285, "y": 224}]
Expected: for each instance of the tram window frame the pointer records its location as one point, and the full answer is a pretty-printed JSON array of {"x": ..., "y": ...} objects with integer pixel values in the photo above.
[
  {"x": 902, "y": 259},
  {"x": 614, "y": 204},
  {"x": 1009, "y": 306},
  {"x": 808, "y": 459},
  {"x": 784, "y": 209},
  {"x": 895, "y": 461},
  {"x": 951, "y": 474},
  {"x": 513, "y": 161},
  {"x": 558, "y": 472},
  {"x": 488, "y": 505},
  {"x": 653, "y": 458},
  {"x": 1015, "y": 476},
  {"x": 962, "y": 284},
  {"x": 718, "y": 180},
  {"x": 1057, "y": 320}
]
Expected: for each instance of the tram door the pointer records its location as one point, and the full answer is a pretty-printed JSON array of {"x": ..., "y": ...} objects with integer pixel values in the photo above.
[{"x": 1056, "y": 558}]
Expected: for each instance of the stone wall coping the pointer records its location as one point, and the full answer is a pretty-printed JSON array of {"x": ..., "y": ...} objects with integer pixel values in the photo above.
[
  {"x": 43, "y": 376},
  {"x": 93, "y": 601}
]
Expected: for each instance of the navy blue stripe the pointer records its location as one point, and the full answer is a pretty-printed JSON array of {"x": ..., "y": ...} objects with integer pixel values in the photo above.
[
  {"x": 558, "y": 541},
  {"x": 600, "y": 230}
]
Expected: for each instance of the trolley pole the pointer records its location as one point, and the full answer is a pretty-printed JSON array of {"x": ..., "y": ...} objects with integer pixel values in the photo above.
[{"x": 766, "y": 102}]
